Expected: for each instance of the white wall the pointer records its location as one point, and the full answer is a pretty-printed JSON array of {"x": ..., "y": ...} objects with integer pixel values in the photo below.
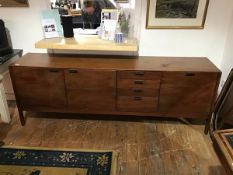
[
  {"x": 24, "y": 24},
  {"x": 208, "y": 42},
  {"x": 227, "y": 61}
]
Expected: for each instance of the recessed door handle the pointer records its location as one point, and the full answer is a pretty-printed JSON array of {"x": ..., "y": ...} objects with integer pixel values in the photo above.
[
  {"x": 139, "y": 81},
  {"x": 141, "y": 73},
  {"x": 53, "y": 70},
  {"x": 137, "y": 98},
  {"x": 73, "y": 71},
  {"x": 190, "y": 74},
  {"x": 137, "y": 90}
]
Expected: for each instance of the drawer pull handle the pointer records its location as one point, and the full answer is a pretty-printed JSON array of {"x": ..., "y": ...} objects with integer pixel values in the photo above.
[
  {"x": 137, "y": 90},
  {"x": 140, "y": 73},
  {"x": 138, "y": 81},
  {"x": 190, "y": 74},
  {"x": 137, "y": 98},
  {"x": 54, "y": 70},
  {"x": 73, "y": 71}
]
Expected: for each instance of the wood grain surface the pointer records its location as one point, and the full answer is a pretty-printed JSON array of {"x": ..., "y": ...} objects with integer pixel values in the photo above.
[
  {"x": 14, "y": 3},
  {"x": 224, "y": 148},
  {"x": 145, "y": 147},
  {"x": 170, "y": 87},
  {"x": 190, "y": 64},
  {"x": 40, "y": 87},
  {"x": 182, "y": 92}
]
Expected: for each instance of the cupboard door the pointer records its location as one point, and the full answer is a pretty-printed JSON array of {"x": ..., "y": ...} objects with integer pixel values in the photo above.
[
  {"x": 39, "y": 87},
  {"x": 187, "y": 94},
  {"x": 91, "y": 89}
]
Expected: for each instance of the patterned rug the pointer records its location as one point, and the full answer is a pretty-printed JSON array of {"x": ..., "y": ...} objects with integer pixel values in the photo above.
[{"x": 31, "y": 161}]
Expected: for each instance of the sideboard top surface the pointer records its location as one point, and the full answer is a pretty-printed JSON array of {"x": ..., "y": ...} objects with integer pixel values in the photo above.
[{"x": 119, "y": 63}]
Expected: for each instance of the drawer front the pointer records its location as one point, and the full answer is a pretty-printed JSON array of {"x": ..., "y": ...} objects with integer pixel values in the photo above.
[
  {"x": 187, "y": 93},
  {"x": 138, "y": 83},
  {"x": 142, "y": 75},
  {"x": 138, "y": 92},
  {"x": 137, "y": 104}
]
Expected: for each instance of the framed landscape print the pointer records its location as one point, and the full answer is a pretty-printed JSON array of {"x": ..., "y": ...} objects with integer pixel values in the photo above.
[
  {"x": 122, "y": 1},
  {"x": 14, "y": 3},
  {"x": 176, "y": 14}
]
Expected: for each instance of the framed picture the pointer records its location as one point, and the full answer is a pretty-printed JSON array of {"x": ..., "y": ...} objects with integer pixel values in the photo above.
[
  {"x": 14, "y": 3},
  {"x": 122, "y": 1},
  {"x": 176, "y": 14}
]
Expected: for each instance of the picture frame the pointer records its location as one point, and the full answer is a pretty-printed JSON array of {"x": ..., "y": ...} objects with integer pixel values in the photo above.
[
  {"x": 176, "y": 14},
  {"x": 122, "y": 1},
  {"x": 14, "y": 3}
]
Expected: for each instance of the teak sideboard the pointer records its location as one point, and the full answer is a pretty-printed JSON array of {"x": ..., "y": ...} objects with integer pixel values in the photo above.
[{"x": 139, "y": 86}]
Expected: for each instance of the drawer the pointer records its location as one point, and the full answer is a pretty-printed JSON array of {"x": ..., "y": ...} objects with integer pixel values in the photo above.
[
  {"x": 137, "y": 92},
  {"x": 138, "y": 83},
  {"x": 143, "y": 75},
  {"x": 137, "y": 104}
]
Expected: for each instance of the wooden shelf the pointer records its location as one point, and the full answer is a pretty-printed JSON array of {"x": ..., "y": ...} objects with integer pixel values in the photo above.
[{"x": 88, "y": 43}]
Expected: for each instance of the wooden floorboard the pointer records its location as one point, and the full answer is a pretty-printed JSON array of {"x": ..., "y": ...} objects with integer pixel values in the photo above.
[{"x": 145, "y": 147}]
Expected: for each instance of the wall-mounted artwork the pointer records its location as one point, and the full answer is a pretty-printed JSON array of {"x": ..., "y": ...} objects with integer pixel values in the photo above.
[
  {"x": 14, "y": 3},
  {"x": 176, "y": 14},
  {"x": 122, "y": 1}
]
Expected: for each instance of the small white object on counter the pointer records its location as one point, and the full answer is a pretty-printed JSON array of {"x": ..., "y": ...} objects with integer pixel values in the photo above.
[{"x": 81, "y": 31}]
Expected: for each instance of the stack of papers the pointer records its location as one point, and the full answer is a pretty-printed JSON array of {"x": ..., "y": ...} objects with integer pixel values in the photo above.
[{"x": 81, "y": 31}]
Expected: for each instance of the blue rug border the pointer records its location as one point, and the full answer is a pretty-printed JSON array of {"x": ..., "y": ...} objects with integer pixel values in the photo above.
[{"x": 46, "y": 159}]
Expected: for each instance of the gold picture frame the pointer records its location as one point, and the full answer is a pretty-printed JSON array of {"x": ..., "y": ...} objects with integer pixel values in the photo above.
[
  {"x": 176, "y": 14},
  {"x": 122, "y": 1},
  {"x": 14, "y": 3}
]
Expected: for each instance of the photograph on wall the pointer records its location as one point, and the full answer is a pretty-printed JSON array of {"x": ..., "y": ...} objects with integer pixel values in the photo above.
[
  {"x": 14, "y": 3},
  {"x": 122, "y": 1},
  {"x": 169, "y": 14}
]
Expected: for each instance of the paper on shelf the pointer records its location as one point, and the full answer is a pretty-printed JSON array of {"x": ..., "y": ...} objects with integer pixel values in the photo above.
[
  {"x": 53, "y": 14},
  {"x": 85, "y": 31},
  {"x": 50, "y": 28}
]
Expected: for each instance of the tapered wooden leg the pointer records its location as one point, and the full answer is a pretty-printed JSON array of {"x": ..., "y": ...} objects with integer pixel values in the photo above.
[{"x": 21, "y": 117}]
